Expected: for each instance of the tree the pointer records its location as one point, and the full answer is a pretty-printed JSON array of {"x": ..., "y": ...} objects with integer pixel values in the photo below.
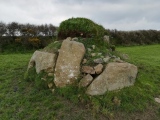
[
  {"x": 2, "y": 28},
  {"x": 52, "y": 30},
  {"x": 13, "y": 29}
]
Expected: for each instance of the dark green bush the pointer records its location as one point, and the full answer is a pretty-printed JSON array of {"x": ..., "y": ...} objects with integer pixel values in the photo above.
[
  {"x": 41, "y": 80},
  {"x": 79, "y": 27},
  {"x": 30, "y": 74},
  {"x": 23, "y": 44},
  {"x": 53, "y": 47},
  {"x": 138, "y": 37},
  {"x": 113, "y": 47}
]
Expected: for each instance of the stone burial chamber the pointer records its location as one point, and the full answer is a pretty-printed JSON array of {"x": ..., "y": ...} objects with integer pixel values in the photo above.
[{"x": 66, "y": 66}]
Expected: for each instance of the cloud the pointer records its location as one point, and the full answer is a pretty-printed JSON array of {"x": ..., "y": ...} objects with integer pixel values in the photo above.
[{"x": 112, "y": 14}]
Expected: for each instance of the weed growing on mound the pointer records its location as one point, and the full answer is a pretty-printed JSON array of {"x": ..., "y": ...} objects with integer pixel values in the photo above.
[
  {"x": 101, "y": 49},
  {"x": 30, "y": 75},
  {"x": 40, "y": 80},
  {"x": 53, "y": 47}
]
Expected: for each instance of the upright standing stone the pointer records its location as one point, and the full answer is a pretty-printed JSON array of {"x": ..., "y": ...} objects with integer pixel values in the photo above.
[
  {"x": 68, "y": 63},
  {"x": 106, "y": 39}
]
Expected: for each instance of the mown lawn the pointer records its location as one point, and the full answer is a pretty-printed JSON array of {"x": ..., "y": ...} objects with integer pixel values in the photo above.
[{"x": 21, "y": 100}]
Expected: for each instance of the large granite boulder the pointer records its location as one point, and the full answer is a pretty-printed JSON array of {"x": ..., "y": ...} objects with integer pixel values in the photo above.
[
  {"x": 68, "y": 63},
  {"x": 115, "y": 76},
  {"x": 42, "y": 61}
]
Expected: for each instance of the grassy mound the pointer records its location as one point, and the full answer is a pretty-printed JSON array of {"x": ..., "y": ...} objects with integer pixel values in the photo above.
[{"x": 79, "y": 27}]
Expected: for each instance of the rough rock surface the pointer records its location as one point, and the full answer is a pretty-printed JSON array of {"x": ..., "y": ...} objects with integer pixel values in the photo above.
[
  {"x": 106, "y": 59},
  {"x": 98, "y": 68},
  {"x": 68, "y": 63},
  {"x": 75, "y": 39},
  {"x": 115, "y": 76},
  {"x": 50, "y": 85},
  {"x": 88, "y": 69},
  {"x": 118, "y": 60},
  {"x": 86, "y": 80},
  {"x": 125, "y": 56},
  {"x": 93, "y": 54},
  {"x": 98, "y": 60},
  {"x": 157, "y": 100},
  {"x": 89, "y": 49},
  {"x": 84, "y": 61},
  {"x": 50, "y": 74},
  {"x": 42, "y": 61},
  {"x": 93, "y": 47}
]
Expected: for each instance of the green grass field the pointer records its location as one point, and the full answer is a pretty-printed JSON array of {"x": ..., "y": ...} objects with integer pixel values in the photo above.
[{"x": 21, "y": 100}]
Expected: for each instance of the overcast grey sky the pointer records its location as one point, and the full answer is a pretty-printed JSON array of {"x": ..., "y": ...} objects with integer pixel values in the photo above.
[{"x": 112, "y": 14}]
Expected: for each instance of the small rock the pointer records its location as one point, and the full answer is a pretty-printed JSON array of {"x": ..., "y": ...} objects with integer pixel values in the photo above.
[
  {"x": 157, "y": 100},
  {"x": 88, "y": 69},
  {"x": 74, "y": 39},
  {"x": 98, "y": 60},
  {"x": 93, "y": 54},
  {"x": 89, "y": 49},
  {"x": 84, "y": 61},
  {"x": 69, "y": 38},
  {"x": 49, "y": 70},
  {"x": 55, "y": 41},
  {"x": 125, "y": 56},
  {"x": 118, "y": 60},
  {"x": 99, "y": 54},
  {"x": 53, "y": 90},
  {"x": 50, "y": 85},
  {"x": 106, "y": 59},
  {"x": 93, "y": 46},
  {"x": 86, "y": 80},
  {"x": 116, "y": 101},
  {"x": 98, "y": 68},
  {"x": 50, "y": 74},
  {"x": 43, "y": 79},
  {"x": 113, "y": 56}
]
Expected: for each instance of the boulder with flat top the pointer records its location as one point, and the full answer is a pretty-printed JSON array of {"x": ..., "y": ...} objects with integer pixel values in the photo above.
[
  {"x": 42, "y": 61},
  {"x": 115, "y": 76}
]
